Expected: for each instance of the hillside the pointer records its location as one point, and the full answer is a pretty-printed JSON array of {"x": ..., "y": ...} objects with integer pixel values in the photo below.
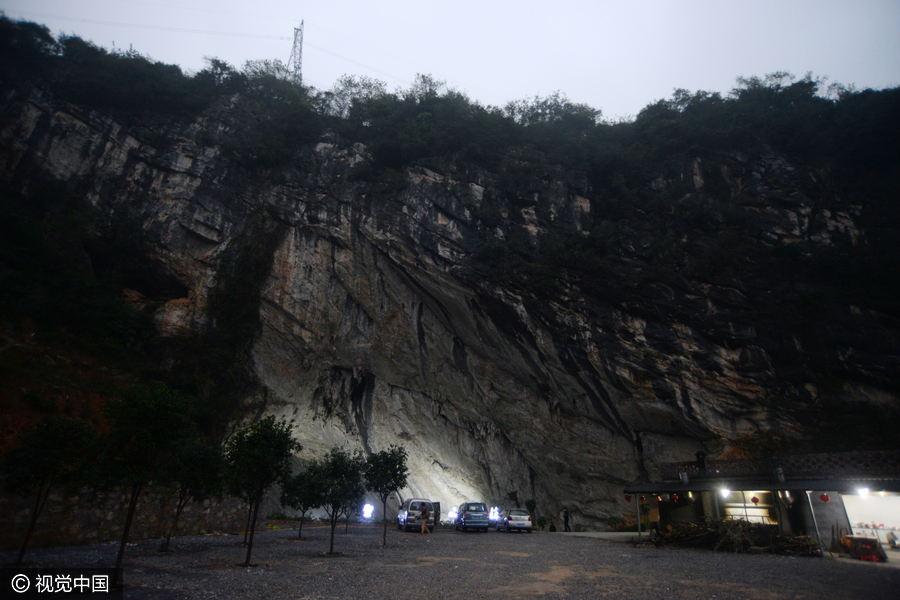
[{"x": 535, "y": 302}]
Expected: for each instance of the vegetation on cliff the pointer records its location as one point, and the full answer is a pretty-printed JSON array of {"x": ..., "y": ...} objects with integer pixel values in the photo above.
[{"x": 674, "y": 184}]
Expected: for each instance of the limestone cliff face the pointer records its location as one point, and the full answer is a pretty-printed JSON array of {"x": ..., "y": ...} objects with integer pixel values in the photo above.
[{"x": 378, "y": 327}]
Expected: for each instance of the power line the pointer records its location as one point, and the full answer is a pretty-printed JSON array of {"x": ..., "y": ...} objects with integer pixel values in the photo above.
[
  {"x": 162, "y": 27},
  {"x": 222, "y": 33},
  {"x": 350, "y": 60}
]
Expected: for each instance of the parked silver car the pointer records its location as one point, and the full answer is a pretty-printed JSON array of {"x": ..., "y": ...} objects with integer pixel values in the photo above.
[
  {"x": 472, "y": 515},
  {"x": 409, "y": 516},
  {"x": 514, "y": 519}
]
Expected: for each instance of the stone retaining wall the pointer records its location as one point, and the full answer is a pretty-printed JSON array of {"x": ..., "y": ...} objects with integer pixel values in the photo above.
[{"x": 91, "y": 517}]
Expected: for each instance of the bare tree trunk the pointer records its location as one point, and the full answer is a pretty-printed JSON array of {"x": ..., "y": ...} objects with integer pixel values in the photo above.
[
  {"x": 40, "y": 501},
  {"x": 247, "y": 528},
  {"x": 181, "y": 503},
  {"x": 384, "y": 520},
  {"x": 132, "y": 504},
  {"x": 255, "y": 507},
  {"x": 334, "y": 520}
]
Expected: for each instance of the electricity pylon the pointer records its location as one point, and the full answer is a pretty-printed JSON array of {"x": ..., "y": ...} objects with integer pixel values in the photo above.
[{"x": 296, "y": 61}]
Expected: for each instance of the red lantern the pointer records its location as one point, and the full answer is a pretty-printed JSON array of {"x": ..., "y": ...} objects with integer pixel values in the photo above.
[
  {"x": 825, "y": 498},
  {"x": 674, "y": 497},
  {"x": 628, "y": 497},
  {"x": 643, "y": 498},
  {"x": 754, "y": 500},
  {"x": 659, "y": 498}
]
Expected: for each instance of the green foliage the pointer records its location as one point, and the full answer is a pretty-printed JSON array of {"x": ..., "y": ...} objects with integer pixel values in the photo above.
[
  {"x": 24, "y": 49},
  {"x": 351, "y": 96},
  {"x": 127, "y": 83},
  {"x": 342, "y": 484},
  {"x": 196, "y": 470},
  {"x": 149, "y": 426},
  {"x": 286, "y": 119},
  {"x": 385, "y": 473},
  {"x": 56, "y": 451},
  {"x": 650, "y": 228},
  {"x": 427, "y": 120},
  {"x": 557, "y": 126},
  {"x": 303, "y": 491},
  {"x": 150, "y": 423},
  {"x": 258, "y": 456}
]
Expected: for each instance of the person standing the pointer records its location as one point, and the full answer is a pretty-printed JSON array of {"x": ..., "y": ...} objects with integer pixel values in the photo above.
[
  {"x": 566, "y": 519},
  {"x": 424, "y": 516}
]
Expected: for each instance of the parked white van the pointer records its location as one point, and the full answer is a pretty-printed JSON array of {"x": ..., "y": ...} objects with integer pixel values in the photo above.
[{"x": 409, "y": 516}]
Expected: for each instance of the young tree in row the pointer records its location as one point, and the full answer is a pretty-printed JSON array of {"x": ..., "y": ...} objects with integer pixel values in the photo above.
[
  {"x": 150, "y": 423},
  {"x": 52, "y": 453},
  {"x": 303, "y": 492},
  {"x": 196, "y": 471},
  {"x": 353, "y": 507},
  {"x": 385, "y": 473},
  {"x": 257, "y": 457},
  {"x": 342, "y": 474}
]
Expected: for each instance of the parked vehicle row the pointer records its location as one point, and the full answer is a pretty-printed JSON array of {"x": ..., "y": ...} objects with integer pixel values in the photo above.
[{"x": 469, "y": 515}]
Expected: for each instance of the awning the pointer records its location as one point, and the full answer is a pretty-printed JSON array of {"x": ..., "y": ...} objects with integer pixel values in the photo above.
[{"x": 708, "y": 485}]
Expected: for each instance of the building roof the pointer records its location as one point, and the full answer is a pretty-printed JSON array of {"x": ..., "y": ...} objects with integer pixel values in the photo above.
[
  {"x": 843, "y": 486},
  {"x": 844, "y": 472}
]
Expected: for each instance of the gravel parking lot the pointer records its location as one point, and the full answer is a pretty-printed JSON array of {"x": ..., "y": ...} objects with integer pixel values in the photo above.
[{"x": 451, "y": 564}]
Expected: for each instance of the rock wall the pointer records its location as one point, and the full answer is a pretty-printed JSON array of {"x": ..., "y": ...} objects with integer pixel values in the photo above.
[
  {"x": 89, "y": 517},
  {"x": 377, "y": 328}
]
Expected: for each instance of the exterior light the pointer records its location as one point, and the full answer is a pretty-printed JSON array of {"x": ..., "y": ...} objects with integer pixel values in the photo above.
[
  {"x": 825, "y": 498},
  {"x": 674, "y": 497},
  {"x": 367, "y": 511},
  {"x": 643, "y": 498},
  {"x": 659, "y": 498},
  {"x": 863, "y": 492},
  {"x": 725, "y": 492},
  {"x": 754, "y": 500}
]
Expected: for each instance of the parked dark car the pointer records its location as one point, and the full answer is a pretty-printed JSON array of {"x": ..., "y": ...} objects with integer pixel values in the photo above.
[{"x": 472, "y": 515}]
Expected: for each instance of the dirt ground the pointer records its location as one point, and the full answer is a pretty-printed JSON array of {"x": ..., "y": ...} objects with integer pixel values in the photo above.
[{"x": 451, "y": 564}]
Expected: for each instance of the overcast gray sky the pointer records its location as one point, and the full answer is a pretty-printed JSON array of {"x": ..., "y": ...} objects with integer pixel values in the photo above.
[{"x": 617, "y": 56}]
